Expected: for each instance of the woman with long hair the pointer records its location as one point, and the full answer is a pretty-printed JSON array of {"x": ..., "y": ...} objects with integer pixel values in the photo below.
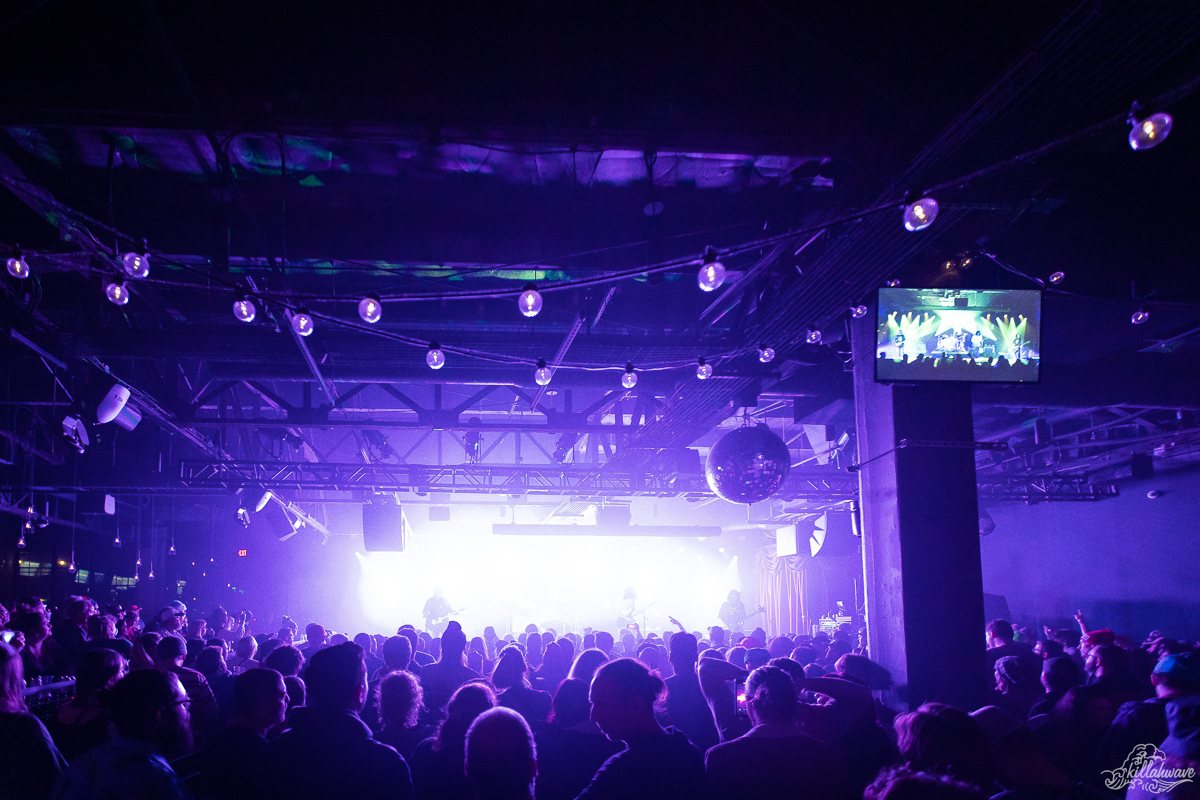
[
  {"x": 398, "y": 699},
  {"x": 29, "y": 761},
  {"x": 82, "y": 722},
  {"x": 143, "y": 651},
  {"x": 41, "y": 656},
  {"x": 512, "y": 675},
  {"x": 437, "y": 763}
]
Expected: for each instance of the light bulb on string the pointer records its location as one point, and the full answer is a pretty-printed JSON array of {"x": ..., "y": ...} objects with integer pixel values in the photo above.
[
  {"x": 302, "y": 322},
  {"x": 1147, "y": 131},
  {"x": 542, "y": 374},
  {"x": 71, "y": 568},
  {"x": 766, "y": 355},
  {"x": 920, "y": 214},
  {"x": 136, "y": 264},
  {"x": 21, "y": 541},
  {"x": 1057, "y": 277},
  {"x": 530, "y": 301},
  {"x": 244, "y": 309},
  {"x": 712, "y": 272},
  {"x": 703, "y": 370},
  {"x": 434, "y": 357},
  {"x": 370, "y": 308},
  {"x": 150, "y": 575},
  {"x": 1140, "y": 316},
  {"x": 893, "y": 283},
  {"x": 117, "y": 540},
  {"x": 18, "y": 267},
  {"x": 117, "y": 293},
  {"x": 138, "y": 563},
  {"x": 629, "y": 378},
  {"x": 858, "y": 312},
  {"x": 813, "y": 337},
  {"x": 171, "y": 549}
]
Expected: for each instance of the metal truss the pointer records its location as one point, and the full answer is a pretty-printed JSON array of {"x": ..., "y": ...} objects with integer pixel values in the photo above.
[
  {"x": 545, "y": 479},
  {"x": 1046, "y": 488}
]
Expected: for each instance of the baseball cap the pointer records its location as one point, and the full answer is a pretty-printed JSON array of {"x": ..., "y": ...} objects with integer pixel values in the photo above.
[{"x": 1181, "y": 666}]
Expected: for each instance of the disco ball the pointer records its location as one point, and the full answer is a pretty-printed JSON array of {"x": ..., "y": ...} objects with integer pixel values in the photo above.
[{"x": 747, "y": 465}]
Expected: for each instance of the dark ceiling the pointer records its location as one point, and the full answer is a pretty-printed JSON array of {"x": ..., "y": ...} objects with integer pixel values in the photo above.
[{"x": 445, "y": 157}]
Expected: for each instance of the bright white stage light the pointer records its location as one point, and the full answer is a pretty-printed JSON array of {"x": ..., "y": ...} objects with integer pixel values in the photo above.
[
  {"x": 302, "y": 322},
  {"x": 703, "y": 371},
  {"x": 370, "y": 308},
  {"x": 530, "y": 301},
  {"x": 542, "y": 374},
  {"x": 629, "y": 378},
  {"x": 435, "y": 358},
  {"x": 920, "y": 215},
  {"x": 244, "y": 309}
]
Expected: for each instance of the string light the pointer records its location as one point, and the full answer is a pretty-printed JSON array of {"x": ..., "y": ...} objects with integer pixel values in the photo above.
[
  {"x": 712, "y": 272},
  {"x": 302, "y": 322},
  {"x": 1147, "y": 131},
  {"x": 766, "y": 355},
  {"x": 135, "y": 264},
  {"x": 18, "y": 267},
  {"x": 629, "y": 378},
  {"x": 703, "y": 370},
  {"x": 435, "y": 358},
  {"x": 893, "y": 283},
  {"x": 813, "y": 337},
  {"x": 21, "y": 541},
  {"x": 150, "y": 575},
  {"x": 542, "y": 374},
  {"x": 1057, "y": 277},
  {"x": 117, "y": 540},
  {"x": 243, "y": 309},
  {"x": 117, "y": 293},
  {"x": 920, "y": 214},
  {"x": 530, "y": 301},
  {"x": 1140, "y": 316},
  {"x": 370, "y": 308},
  {"x": 858, "y": 312}
]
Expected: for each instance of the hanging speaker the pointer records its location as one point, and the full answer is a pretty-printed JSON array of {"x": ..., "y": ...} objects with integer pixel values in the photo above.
[
  {"x": 385, "y": 528},
  {"x": 833, "y": 535}
]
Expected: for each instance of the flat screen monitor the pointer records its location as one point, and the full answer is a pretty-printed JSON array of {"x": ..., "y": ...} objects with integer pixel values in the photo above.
[{"x": 961, "y": 335}]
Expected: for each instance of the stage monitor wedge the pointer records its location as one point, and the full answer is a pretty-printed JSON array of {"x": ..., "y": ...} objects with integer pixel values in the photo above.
[{"x": 385, "y": 528}]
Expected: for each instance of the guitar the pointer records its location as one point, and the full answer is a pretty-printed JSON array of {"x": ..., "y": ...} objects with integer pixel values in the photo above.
[
  {"x": 624, "y": 620},
  {"x": 433, "y": 622},
  {"x": 730, "y": 624}
]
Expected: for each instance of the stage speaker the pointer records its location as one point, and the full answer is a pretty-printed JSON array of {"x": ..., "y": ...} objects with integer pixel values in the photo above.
[
  {"x": 833, "y": 535},
  {"x": 385, "y": 528},
  {"x": 785, "y": 539}
]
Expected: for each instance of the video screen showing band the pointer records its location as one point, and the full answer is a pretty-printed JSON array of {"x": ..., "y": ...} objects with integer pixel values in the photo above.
[{"x": 958, "y": 335}]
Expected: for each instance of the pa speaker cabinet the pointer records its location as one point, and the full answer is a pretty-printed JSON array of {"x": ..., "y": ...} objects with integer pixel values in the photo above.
[{"x": 385, "y": 528}]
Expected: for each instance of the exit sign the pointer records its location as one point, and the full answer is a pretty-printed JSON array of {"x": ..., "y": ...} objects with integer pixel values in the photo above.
[{"x": 241, "y": 552}]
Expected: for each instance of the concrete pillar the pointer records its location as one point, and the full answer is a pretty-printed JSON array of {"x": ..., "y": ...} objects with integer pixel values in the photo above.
[{"x": 920, "y": 520}]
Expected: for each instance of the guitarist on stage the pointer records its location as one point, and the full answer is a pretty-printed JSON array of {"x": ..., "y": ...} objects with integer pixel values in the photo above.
[
  {"x": 732, "y": 611},
  {"x": 437, "y": 613}
]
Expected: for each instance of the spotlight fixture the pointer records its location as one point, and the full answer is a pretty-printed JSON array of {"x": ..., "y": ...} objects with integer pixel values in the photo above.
[
  {"x": 703, "y": 370},
  {"x": 435, "y": 358},
  {"x": 261, "y": 501},
  {"x": 136, "y": 264},
  {"x": 766, "y": 355},
  {"x": 1140, "y": 316},
  {"x": 858, "y": 312},
  {"x": 530, "y": 301},
  {"x": 813, "y": 337},
  {"x": 243, "y": 309},
  {"x": 712, "y": 272},
  {"x": 18, "y": 267},
  {"x": 920, "y": 214},
  {"x": 370, "y": 308},
  {"x": 75, "y": 432},
  {"x": 542, "y": 374},
  {"x": 115, "y": 408},
  {"x": 243, "y": 517},
  {"x": 1147, "y": 130},
  {"x": 117, "y": 293},
  {"x": 629, "y": 378},
  {"x": 893, "y": 283},
  {"x": 302, "y": 322},
  {"x": 1057, "y": 277}
]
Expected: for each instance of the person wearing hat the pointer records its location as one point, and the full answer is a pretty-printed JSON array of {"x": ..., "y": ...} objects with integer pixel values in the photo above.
[
  {"x": 171, "y": 620},
  {"x": 1175, "y": 677},
  {"x": 1180, "y": 757}
]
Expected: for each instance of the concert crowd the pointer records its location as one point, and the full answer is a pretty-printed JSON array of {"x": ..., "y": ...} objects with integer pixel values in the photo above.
[{"x": 208, "y": 708}]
